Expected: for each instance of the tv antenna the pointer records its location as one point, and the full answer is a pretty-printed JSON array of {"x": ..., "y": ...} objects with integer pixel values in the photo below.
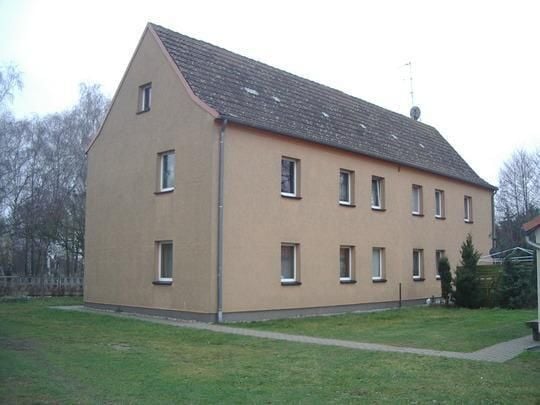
[
  {"x": 415, "y": 110},
  {"x": 411, "y": 92}
]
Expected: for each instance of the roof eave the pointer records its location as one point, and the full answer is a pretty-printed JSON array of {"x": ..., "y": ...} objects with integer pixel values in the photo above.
[{"x": 239, "y": 121}]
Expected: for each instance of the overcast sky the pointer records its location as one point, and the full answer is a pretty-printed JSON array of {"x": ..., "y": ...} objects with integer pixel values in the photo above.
[{"x": 476, "y": 65}]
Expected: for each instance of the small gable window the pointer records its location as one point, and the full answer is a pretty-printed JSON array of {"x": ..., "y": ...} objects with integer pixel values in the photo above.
[{"x": 145, "y": 97}]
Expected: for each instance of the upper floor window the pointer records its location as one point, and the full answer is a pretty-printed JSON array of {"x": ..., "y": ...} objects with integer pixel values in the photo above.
[
  {"x": 145, "y": 97},
  {"x": 377, "y": 263},
  {"x": 439, "y": 204},
  {"x": 416, "y": 199},
  {"x": 418, "y": 264},
  {"x": 289, "y": 174},
  {"x": 439, "y": 254},
  {"x": 346, "y": 187},
  {"x": 377, "y": 193},
  {"x": 345, "y": 263},
  {"x": 165, "y": 260},
  {"x": 167, "y": 165},
  {"x": 288, "y": 263},
  {"x": 467, "y": 205}
]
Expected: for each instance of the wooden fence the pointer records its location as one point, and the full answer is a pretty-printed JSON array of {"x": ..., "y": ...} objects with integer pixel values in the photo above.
[{"x": 40, "y": 286}]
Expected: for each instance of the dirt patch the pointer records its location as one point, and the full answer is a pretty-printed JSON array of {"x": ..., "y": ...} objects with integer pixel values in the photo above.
[
  {"x": 123, "y": 347},
  {"x": 17, "y": 344}
]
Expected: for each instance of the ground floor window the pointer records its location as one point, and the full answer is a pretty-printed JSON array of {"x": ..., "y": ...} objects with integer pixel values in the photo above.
[
  {"x": 288, "y": 262},
  {"x": 345, "y": 263},
  {"x": 377, "y": 263},
  {"x": 439, "y": 254},
  {"x": 165, "y": 260},
  {"x": 418, "y": 263}
]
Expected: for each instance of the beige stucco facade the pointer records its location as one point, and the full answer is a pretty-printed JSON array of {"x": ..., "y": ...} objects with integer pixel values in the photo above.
[
  {"x": 125, "y": 217},
  {"x": 258, "y": 219}
]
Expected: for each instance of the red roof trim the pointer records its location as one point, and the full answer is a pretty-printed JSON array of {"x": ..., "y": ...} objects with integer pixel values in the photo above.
[{"x": 531, "y": 225}]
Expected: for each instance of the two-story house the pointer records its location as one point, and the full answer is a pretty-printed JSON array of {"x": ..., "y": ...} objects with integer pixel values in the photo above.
[{"x": 223, "y": 188}]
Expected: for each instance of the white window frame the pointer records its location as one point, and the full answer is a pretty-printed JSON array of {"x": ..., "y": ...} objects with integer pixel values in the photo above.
[
  {"x": 379, "y": 188},
  {"x": 416, "y": 192},
  {"x": 160, "y": 252},
  {"x": 467, "y": 211},
  {"x": 350, "y": 250},
  {"x": 349, "y": 188},
  {"x": 295, "y": 274},
  {"x": 295, "y": 175},
  {"x": 437, "y": 258},
  {"x": 420, "y": 253},
  {"x": 350, "y": 177},
  {"x": 381, "y": 264},
  {"x": 439, "y": 208},
  {"x": 142, "y": 97},
  {"x": 162, "y": 170}
]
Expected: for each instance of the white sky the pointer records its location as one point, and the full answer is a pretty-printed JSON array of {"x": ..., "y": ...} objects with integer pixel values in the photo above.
[{"x": 476, "y": 65}]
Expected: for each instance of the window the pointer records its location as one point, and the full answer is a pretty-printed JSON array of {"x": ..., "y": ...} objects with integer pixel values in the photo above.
[
  {"x": 377, "y": 193},
  {"x": 167, "y": 165},
  {"x": 377, "y": 263},
  {"x": 289, "y": 177},
  {"x": 467, "y": 205},
  {"x": 418, "y": 264},
  {"x": 165, "y": 260},
  {"x": 416, "y": 199},
  {"x": 345, "y": 187},
  {"x": 439, "y": 254},
  {"x": 288, "y": 262},
  {"x": 145, "y": 97},
  {"x": 439, "y": 204},
  {"x": 345, "y": 263}
]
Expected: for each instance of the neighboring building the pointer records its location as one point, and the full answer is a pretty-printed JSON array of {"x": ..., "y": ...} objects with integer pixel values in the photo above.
[{"x": 329, "y": 203}]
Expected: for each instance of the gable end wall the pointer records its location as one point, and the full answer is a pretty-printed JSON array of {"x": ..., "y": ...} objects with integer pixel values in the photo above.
[{"x": 125, "y": 217}]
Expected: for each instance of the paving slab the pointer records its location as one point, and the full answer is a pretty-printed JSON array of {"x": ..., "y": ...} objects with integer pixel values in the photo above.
[{"x": 498, "y": 353}]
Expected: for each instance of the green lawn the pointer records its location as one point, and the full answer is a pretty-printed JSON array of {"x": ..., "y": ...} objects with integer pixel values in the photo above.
[
  {"x": 439, "y": 328},
  {"x": 53, "y": 356}
]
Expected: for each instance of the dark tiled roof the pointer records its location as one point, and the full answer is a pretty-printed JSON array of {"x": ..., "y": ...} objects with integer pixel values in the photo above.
[{"x": 254, "y": 94}]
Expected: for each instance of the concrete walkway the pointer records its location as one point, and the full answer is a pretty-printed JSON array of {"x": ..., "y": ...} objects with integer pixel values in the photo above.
[{"x": 498, "y": 353}]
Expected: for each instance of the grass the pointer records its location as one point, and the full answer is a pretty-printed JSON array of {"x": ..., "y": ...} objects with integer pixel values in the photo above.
[
  {"x": 440, "y": 328},
  {"x": 52, "y": 356}
]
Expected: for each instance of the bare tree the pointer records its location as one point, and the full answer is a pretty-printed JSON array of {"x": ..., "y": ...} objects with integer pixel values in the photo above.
[
  {"x": 10, "y": 80},
  {"x": 518, "y": 198},
  {"x": 519, "y": 183},
  {"x": 42, "y": 186}
]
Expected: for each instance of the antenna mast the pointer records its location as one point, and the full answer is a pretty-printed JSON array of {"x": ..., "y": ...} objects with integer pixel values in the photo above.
[
  {"x": 415, "y": 111},
  {"x": 411, "y": 82}
]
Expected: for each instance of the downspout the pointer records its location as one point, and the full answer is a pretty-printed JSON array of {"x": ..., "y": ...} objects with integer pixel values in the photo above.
[
  {"x": 220, "y": 222},
  {"x": 493, "y": 235}
]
